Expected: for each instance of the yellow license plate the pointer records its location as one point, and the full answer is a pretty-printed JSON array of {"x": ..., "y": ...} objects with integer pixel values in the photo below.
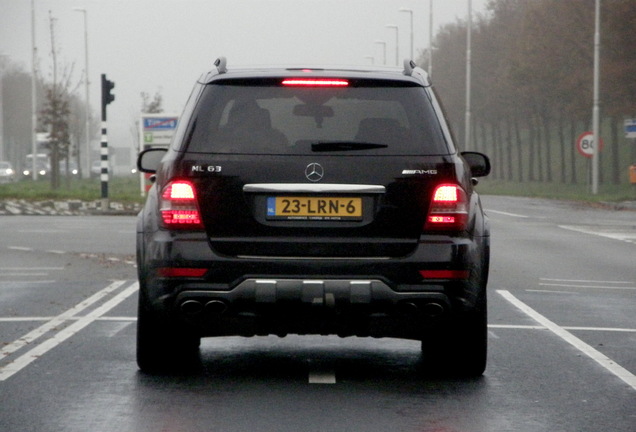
[{"x": 314, "y": 208}]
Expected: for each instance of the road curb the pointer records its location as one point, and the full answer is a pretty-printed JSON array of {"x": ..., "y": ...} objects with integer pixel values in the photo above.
[{"x": 66, "y": 208}]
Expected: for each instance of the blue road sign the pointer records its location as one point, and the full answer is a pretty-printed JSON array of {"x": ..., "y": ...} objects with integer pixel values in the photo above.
[
  {"x": 164, "y": 123},
  {"x": 630, "y": 128}
]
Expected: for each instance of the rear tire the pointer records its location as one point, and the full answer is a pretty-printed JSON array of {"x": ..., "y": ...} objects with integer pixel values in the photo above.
[
  {"x": 460, "y": 350},
  {"x": 471, "y": 350},
  {"x": 162, "y": 347}
]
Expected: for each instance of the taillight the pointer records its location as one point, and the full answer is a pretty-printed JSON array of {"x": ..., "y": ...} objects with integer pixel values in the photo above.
[
  {"x": 178, "y": 206},
  {"x": 448, "y": 210}
]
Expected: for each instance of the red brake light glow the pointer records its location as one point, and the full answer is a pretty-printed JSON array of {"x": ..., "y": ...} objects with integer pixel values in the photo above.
[
  {"x": 446, "y": 193},
  {"x": 448, "y": 210},
  {"x": 179, "y": 206},
  {"x": 445, "y": 274},
  {"x": 181, "y": 272},
  {"x": 315, "y": 82},
  {"x": 180, "y": 190}
]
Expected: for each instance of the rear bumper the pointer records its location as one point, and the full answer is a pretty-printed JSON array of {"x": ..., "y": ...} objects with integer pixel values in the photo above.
[
  {"x": 259, "y": 295},
  {"x": 335, "y": 306}
]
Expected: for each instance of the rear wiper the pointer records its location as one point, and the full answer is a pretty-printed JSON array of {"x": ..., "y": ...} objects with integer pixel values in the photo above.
[{"x": 329, "y": 146}]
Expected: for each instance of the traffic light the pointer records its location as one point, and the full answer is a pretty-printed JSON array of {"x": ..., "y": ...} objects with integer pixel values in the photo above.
[{"x": 107, "y": 96}]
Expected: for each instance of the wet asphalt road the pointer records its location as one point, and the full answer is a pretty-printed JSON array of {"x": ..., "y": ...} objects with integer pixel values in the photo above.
[{"x": 562, "y": 343}]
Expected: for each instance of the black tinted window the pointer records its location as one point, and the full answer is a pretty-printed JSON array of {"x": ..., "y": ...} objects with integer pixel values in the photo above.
[{"x": 267, "y": 118}]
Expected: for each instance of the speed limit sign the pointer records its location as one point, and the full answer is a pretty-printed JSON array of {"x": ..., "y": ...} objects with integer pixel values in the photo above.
[{"x": 585, "y": 144}]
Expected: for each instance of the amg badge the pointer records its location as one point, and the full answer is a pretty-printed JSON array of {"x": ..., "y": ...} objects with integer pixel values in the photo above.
[{"x": 413, "y": 172}]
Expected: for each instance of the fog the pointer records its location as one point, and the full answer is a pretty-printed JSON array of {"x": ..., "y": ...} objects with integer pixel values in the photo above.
[{"x": 164, "y": 45}]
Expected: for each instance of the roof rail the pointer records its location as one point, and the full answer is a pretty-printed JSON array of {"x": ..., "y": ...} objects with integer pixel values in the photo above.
[
  {"x": 409, "y": 65},
  {"x": 221, "y": 65}
]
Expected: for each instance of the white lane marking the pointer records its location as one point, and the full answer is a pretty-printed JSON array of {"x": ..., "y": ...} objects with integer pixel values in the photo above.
[
  {"x": 545, "y": 291},
  {"x": 629, "y": 288},
  {"x": 586, "y": 349},
  {"x": 490, "y": 326},
  {"x": 3, "y": 269},
  {"x": 516, "y": 327},
  {"x": 507, "y": 214},
  {"x": 25, "y": 359},
  {"x": 19, "y": 248},
  {"x": 602, "y": 329},
  {"x": 621, "y": 233},
  {"x": 58, "y": 320},
  {"x": 75, "y": 318},
  {"x": 585, "y": 281},
  {"x": 322, "y": 377},
  {"x": 531, "y": 327},
  {"x": 551, "y": 291},
  {"x": 26, "y": 272},
  {"x": 119, "y": 318},
  {"x": 27, "y": 282},
  {"x": 42, "y": 231}
]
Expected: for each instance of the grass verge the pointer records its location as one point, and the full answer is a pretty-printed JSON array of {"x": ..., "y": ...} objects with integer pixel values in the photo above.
[
  {"x": 121, "y": 189},
  {"x": 606, "y": 193}
]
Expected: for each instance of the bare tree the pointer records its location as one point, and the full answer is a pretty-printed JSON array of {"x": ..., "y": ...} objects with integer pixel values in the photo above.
[
  {"x": 151, "y": 106},
  {"x": 55, "y": 115}
]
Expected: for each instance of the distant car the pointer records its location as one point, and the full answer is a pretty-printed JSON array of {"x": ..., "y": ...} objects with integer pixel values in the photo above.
[
  {"x": 73, "y": 169},
  {"x": 314, "y": 201},
  {"x": 7, "y": 174},
  {"x": 42, "y": 165},
  {"x": 42, "y": 170}
]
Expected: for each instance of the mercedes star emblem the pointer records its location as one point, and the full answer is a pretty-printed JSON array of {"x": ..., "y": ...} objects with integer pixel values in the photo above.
[{"x": 314, "y": 172}]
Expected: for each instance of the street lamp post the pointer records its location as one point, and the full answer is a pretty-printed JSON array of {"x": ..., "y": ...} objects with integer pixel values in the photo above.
[
  {"x": 397, "y": 42},
  {"x": 2, "y": 157},
  {"x": 468, "y": 67},
  {"x": 383, "y": 51},
  {"x": 34, "y": 108},
  {"x": 595, "y": 108},
  {"x": 87, "y": 158},
  {"x": 409, "y": 11},
  {"x": 430, "y": 38}
]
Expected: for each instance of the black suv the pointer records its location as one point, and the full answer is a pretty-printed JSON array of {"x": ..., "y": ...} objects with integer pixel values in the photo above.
[{"x": 313, "y": 201}]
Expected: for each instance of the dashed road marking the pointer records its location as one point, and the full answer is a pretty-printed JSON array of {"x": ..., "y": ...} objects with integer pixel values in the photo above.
[{"x": 323, "y": 376}]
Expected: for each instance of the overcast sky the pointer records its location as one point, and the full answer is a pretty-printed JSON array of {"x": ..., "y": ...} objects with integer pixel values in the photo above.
[{"x": 164, "y": 45}]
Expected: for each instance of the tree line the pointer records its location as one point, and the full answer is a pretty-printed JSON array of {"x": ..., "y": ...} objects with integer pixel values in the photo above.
[
  {"x": 532, "y": 68},
  {"x": 61, "y": 113}
]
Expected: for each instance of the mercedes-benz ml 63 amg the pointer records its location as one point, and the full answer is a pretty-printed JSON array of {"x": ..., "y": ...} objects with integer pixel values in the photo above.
[{"x": 313, "y": 201}]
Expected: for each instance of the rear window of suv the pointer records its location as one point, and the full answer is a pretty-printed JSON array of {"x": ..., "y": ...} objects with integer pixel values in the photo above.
[{"x": 266, "y": 117}]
